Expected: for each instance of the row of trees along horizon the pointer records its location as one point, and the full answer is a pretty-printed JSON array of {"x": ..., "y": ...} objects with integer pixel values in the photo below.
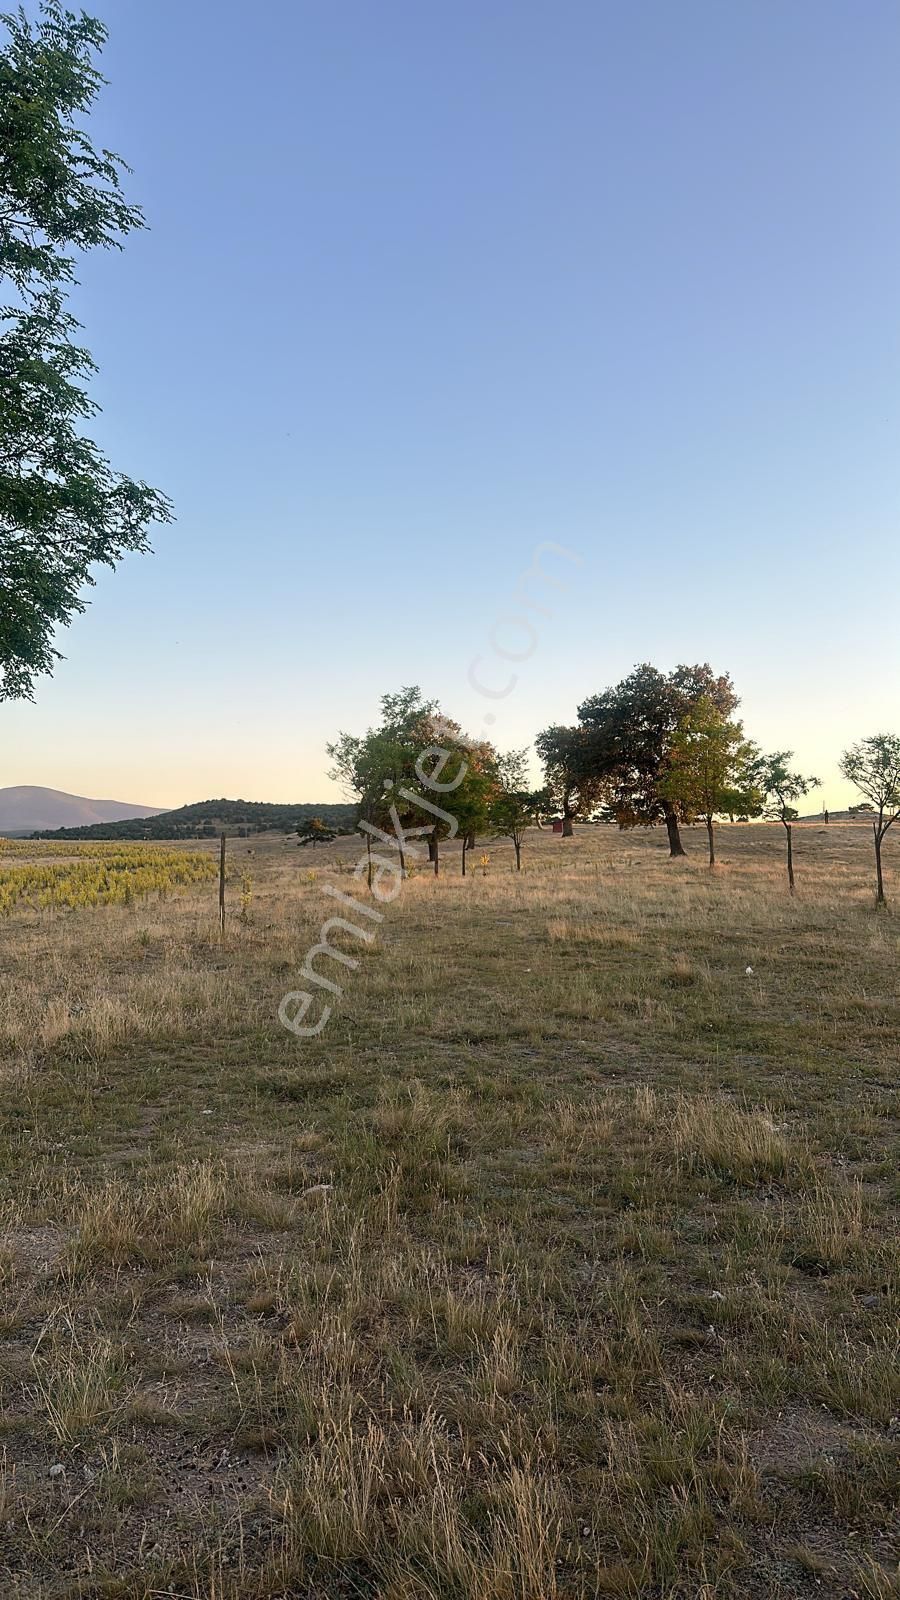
[{"x": 656, "y": 749}]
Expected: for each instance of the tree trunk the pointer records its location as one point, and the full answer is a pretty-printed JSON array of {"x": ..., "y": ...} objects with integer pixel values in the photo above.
[
  {"x": 676, "y": 848},
  {"x": 711, "y": 830},
  {"x": 790, "y": 844},
  {"x": 470, "y": 839},
  {"x": 518, "y": 849},
  {"x": 432, "y": 846},
  {"x": 568, "y": 830},
  {"x": 402, "y": 861},
  {"x": 465, "y": 846},
  {"x": 369, "y": 859},
  {"x": 879, "y": 875},
  {"x": 436, "y": 858}
]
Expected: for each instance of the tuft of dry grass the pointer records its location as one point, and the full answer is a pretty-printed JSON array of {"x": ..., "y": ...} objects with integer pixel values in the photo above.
[
  {"x": 831, "y": 1226},
  {"x": 79, "y": 1377},
  {"x": 740, "y": 1143}
]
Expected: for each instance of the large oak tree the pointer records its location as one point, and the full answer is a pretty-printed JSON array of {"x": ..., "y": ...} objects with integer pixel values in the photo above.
[{"x": 629, "y": 731}]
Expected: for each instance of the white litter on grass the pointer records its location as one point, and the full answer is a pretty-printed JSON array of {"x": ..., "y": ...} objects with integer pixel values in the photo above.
[{"x": 749, "y": 971}]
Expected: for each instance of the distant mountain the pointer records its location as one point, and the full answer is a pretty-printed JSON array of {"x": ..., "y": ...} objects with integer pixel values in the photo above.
[
  {"x": 29, "y": 810},
  {"x": 208, "y": 818}
]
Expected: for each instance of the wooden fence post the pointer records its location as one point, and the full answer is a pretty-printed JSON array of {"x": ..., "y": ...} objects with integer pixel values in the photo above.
[{"x": 222, "y": 884}]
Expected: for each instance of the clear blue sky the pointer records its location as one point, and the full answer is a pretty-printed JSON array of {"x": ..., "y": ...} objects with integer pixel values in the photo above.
[{"x": 426, "y": 285}]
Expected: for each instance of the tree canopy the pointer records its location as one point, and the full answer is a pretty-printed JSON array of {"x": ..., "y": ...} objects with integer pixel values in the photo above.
[
  {"x": 629, "y": 731},
  {"x": 514, "y": 806},
  {"x": 62, "y": 507},
  {"x": 873, "y": 767},
  {"x": 781, "y": 786},
  {"x": 369, "y": 766},
  {"x": 710, "y": 768},
  {"x": 571, "y": 788},
  {"x": 390, "y": 771},
  {"x": 315, "y": 831}
]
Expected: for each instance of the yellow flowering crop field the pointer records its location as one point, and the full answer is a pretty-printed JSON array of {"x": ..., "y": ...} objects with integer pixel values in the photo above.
[
  {"x": 37, "y": 849},
  {"x": 92, "y": 874}
]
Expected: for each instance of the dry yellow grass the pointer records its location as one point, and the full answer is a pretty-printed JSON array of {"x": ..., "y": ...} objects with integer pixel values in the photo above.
[{"x": 563, "y": 1263}]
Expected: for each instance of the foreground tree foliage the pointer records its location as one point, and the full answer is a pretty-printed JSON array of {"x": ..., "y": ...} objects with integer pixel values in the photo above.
[
  {"x": 873, "y": 767},
  {"x": 711, "y": 769},
  {"x": 62, "y": 507},
  {"x": 628, "y": 736}
]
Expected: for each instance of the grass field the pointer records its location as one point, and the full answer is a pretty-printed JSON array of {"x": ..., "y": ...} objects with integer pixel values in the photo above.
[{"x": 563, "y": 1263}]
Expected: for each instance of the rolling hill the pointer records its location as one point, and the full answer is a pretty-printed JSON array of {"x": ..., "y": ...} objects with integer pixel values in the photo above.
[
  {"x": 210, "y": 817},
  {"x": 26, "y": 809}
]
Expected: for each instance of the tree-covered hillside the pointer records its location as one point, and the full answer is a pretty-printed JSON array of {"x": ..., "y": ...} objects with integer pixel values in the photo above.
[{"x": 210, "y": 817}]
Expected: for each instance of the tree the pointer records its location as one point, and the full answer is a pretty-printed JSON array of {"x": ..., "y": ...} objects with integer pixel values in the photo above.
[
  {"x": 62, "y": 507},
  {"x": 514, "y": 807},
  {"x": 710, "y": 769},
  {"x": 376, "y": 765},
  {"x": 873, "y": 767},
  {"x": 780, "y": 787},
  {"x": 471, "y": 805},
  {"x": 628, "y": 740},
  {"x": 570, "y": 788},
  {"x": 314, "y": 831},
  {"x": 475, "y": 781},
  {"x": 383, "y": 768}
]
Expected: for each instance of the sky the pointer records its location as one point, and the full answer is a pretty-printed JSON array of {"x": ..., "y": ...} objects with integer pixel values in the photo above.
[{"x": 426, "y": 287}]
